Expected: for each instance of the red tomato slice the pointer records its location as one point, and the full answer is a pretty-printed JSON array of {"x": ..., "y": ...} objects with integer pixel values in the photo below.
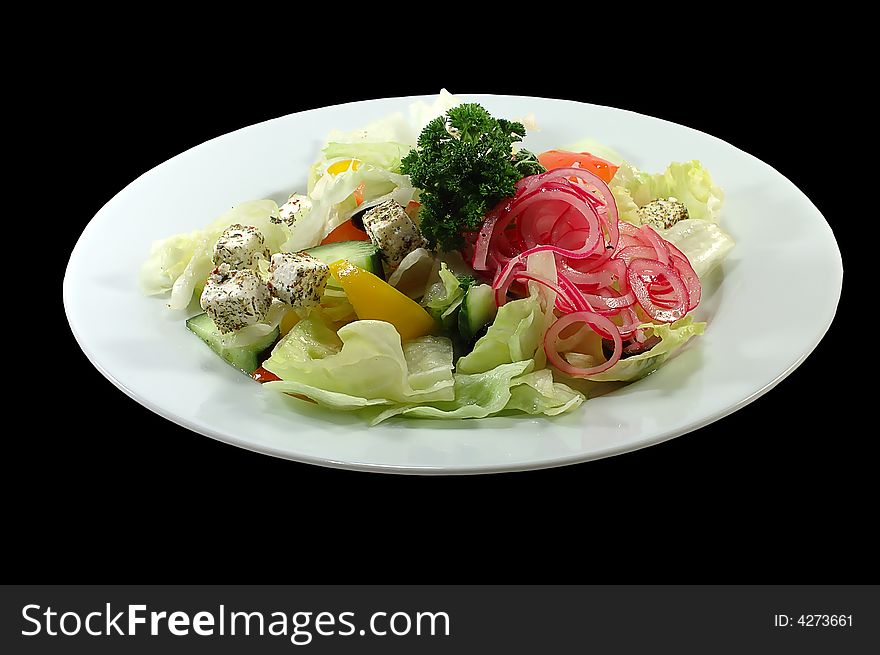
[
  {"x": 565, "y": 159},
  {"x": 346, "y": 232},
  {"x": 359, "y": 194},
  {"x": 262, "y": 375},
  {"x": 412, "y": 209}
]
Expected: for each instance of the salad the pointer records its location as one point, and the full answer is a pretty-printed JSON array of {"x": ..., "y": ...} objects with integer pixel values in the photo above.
[{"x": 433, "y": 267}]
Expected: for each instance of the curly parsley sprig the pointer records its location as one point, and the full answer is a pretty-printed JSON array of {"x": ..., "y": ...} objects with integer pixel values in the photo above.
[{"x": 464, "y": 164}]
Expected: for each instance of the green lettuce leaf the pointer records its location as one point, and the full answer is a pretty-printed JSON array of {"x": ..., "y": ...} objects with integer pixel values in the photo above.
[
  {"x": 476, "y": 396},
  {"x": 167, "y": 261},
  {"x": 444, "y": 295},
  {"x": 672, "y": 337},
  {"x": 627, "y": 209},
  {"x": 332, "y": 201},
  {"x": 505, "y": 370},
  {"x": 515, "y": 336},
  {"x": 510, "y": 386},
  {"x": 413, "y": 274},
  {"x": 699, "y": 236},
  {"x": 688, "y": 181},
  {"x": 705, "y": 244},
  {"x": 181, "y": 263},
  {"x": 538, "y": 393},
  {"x": 363, "y": 364},
  {"x": 386, "y": 155},
  {"x": 379, "y": 146},
  {"x": 595, "y": 148}
]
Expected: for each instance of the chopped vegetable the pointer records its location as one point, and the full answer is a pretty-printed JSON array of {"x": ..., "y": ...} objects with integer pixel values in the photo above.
[
  {"x": 245, "y": 358},
  {"x": 689, "y": 182},
  {"x": 672, "y": 337},
  {"x": 334, "y": 200},
  {"x": 373, "y": 298},
  {"x": 566, "y": 159},
  {"x": 514, "y": 336},
  {"x": 511, "y": 386},
  {"x": 445, "y": 293},
  {"x": 703, "y": 243},
  {"x": 343, "y": 166},
  {"x": 347, "y": 231},
  {"x": 363, "y": 364},
  {"x": 478, "y": 309},
  {"x": 262, "y": 375},
  {"x": 289, "y": 319},
  {"x": 362, "y": 254}
]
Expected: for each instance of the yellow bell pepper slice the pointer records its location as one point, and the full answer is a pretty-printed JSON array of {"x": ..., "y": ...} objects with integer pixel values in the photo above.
[
  {"x": 343, "y": 166},
  {"x": 290, "y": 319},
  {"x": 375, "y": 299}
]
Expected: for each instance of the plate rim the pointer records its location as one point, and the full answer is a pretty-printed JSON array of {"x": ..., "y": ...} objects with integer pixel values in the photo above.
[{"x": 463, "y": 469}]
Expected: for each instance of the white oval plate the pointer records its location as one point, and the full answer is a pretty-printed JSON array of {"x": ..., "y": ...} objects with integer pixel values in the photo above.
[{"x": 767, "y": 309}]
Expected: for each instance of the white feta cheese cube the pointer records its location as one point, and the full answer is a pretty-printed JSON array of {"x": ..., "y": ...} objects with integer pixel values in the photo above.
[
  {"x": 240, "y": 246},
  {"x": 295, "y": 207},
  {"x": 235, "y": 298},
  {"x": 392, "y": 231},
  {"x": 663, "y": 213},
  {"x": 298, "y": 278}
]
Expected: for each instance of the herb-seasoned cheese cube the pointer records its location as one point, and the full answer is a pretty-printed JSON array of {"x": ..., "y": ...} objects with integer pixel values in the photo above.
[
  {"x": 392, "y": 231},
  {"x": 298, "y": 278},
  {"x": 296, "y": 205},
  {"x": 240, "y": 246},
  {"x": 663, "y": 213},
  {"x": 235, "y": 298}
]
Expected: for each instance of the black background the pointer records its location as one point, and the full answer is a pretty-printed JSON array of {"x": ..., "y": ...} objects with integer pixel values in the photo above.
[{"x": 99, "y": 488}]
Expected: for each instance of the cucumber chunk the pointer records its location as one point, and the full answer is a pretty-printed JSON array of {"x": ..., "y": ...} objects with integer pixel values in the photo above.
[
  {"x": 478, "y": 310},
  {"x": 244, "y": 358},
  {"x": 450, "y": 317},
  {"x": 362, "y": 254}
]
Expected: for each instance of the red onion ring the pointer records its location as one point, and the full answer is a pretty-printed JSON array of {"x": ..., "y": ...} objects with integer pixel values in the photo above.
[
  {"x": 658, "y": 244},
  {"x": 606, "y": 268},
  {"x": 598, "y": 323},
  {"x": 642, "y": 272},
  {"x": 688, "y": 274}
]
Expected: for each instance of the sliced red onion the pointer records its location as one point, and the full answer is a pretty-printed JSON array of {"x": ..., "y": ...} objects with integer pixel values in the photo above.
[
  {"x": 630, "y": 253},
  {"x": 481, "y": 248},
  {"x": 607, "y": 298},
  {"x": 589, "y": 220},
  {"x": 604, "y": 277},
  {"x": 690, "y": 277},
  {"x": 576, "y": 297},
  {"x": 564, "y": 302},
  {"x": 630, "y": 323},
  {"x": 656, "y": 242},
  {"x": 605, "y": 268},
  {"x": 505, "y": 278},
  {"x": 642, "y": 272},
  {"x": 600, "y": 324}
]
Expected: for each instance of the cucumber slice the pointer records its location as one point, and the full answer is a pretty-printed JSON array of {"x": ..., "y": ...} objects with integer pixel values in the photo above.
[
  {"x": 362, "y": 254},
  {"x": 449, "y": 318},
  {"x": 244, "y": 358},
  {"x": 478, "y": 310}
]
